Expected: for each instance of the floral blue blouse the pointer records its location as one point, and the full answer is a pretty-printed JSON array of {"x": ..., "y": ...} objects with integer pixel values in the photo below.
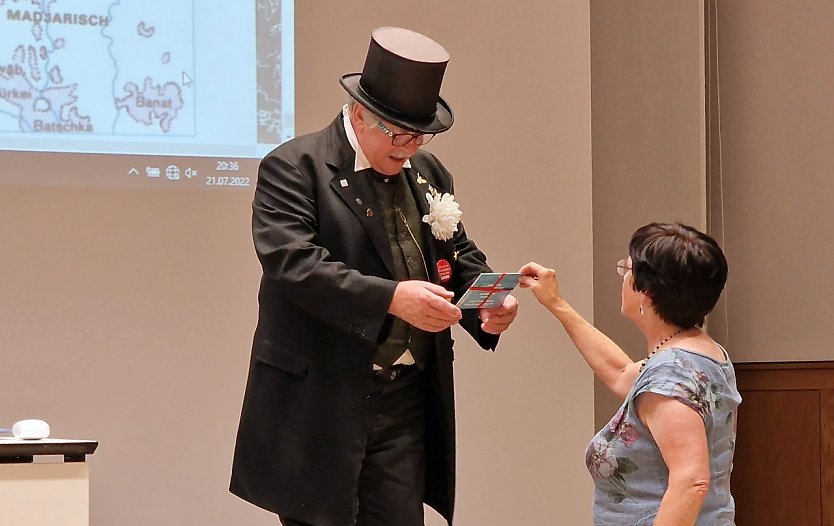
[{"x": 628, "y": 471}]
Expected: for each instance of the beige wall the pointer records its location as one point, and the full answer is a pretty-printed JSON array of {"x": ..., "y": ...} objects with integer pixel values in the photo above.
[
  {"x": 772, "y": 148},
  {"x": 647, "y": 78},
  {"x": 127, "y": 315}
]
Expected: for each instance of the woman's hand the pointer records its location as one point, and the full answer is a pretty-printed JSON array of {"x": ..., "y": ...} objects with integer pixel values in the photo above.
[{"x": 542, "y": 282}]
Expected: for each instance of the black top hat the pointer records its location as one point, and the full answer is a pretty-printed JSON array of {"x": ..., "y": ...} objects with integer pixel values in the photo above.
[{"x": 401, "y": 79}]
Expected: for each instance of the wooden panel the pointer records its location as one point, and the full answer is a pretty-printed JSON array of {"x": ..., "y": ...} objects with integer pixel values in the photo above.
[
  {"x": 827, "y": 425},
  {"x": 785, "y": 376},
  {"x": 776, "y": 470}
]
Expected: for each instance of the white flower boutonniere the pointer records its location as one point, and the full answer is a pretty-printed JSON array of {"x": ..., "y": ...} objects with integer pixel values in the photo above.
[{"x": 444, "y": 215}]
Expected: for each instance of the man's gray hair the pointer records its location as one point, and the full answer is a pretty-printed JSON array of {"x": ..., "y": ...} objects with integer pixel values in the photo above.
[{"x": 369, "y": 117}]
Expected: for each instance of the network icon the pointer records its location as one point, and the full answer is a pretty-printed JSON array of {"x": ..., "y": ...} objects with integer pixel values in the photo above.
[{"x": 173, "y": 172}]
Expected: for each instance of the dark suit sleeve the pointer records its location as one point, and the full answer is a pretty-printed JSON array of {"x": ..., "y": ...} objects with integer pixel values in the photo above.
[
  {"x": 470, "y": 263},
  {"x": 285, "y": 232}
]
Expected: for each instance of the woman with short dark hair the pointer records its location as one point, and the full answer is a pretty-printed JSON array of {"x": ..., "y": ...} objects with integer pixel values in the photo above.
[{"x": 666, "y": 456}]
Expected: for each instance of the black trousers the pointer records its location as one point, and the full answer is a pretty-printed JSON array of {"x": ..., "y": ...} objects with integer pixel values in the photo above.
[{"x": 392, "y": 479}]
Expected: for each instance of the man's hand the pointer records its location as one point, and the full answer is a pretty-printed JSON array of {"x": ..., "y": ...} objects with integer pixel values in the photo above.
[
  {"x": 424, "y": 305},
  {"x": 497, "y": 319}
]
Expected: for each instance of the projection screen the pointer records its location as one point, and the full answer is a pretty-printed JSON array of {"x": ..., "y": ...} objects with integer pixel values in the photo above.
[{"x": 156, "y": 94}]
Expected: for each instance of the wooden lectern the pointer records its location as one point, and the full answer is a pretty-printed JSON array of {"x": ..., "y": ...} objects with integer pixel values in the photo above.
[{"x": 40, "y": 488}]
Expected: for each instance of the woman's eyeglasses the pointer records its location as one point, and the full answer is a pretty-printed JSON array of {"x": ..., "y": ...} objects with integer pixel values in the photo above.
[{"x": 622, "y": 267}]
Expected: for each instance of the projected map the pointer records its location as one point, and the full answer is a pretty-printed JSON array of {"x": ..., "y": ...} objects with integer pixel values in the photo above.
[
  {"x": 143, "y": 93},
  {"x": 104, "y": 67}
]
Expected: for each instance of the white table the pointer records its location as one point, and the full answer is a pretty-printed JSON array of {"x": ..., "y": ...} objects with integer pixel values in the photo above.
[{"x": 45, "y": 482}]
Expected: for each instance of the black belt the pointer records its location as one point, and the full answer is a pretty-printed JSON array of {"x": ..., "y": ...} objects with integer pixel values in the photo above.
[{"x": 392, "y": 373}]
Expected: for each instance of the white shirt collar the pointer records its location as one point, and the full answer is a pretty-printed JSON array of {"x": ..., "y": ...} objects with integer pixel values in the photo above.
[{"x": 361, "y": 162}]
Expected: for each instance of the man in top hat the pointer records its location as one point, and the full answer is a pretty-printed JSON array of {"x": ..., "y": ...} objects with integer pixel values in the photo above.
[{"x": 348, "y": 415}]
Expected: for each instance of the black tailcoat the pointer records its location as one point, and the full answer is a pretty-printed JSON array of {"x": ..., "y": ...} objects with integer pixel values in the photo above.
[{"x": 326, "y": 287}]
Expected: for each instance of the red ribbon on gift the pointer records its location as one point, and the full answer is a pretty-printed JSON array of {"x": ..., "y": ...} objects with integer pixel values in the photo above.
[{"x": 490, "y": 290}]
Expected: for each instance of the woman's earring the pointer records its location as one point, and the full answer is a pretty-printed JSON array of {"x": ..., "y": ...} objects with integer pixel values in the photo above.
[{"x": 641, "y": 308}]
